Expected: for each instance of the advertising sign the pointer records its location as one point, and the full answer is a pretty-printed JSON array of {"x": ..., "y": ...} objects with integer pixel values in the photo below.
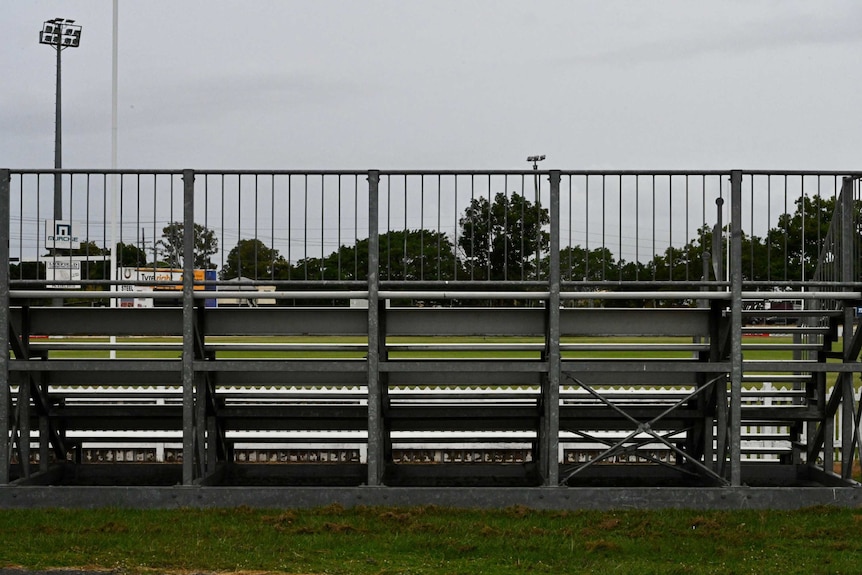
[
  {"x": 63, "y": 270},
  {"x": 148, "y": 278},
  {"x": 60, "y": 234}
]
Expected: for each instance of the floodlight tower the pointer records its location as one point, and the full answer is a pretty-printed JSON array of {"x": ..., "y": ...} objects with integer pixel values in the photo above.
[{"x": 59, "y": 33}]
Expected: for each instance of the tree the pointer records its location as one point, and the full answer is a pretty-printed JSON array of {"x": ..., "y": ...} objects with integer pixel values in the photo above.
[
  {"x": 795, "y": 243},
  {"x": 130, "y": 255},
  {"x": 502, "y": 240},
  {"x": 407, "y": 255},
  {"x": 253, "y": 259},
  {"x": 577, "y": 264},
  {"x": 205, "y": 245}
]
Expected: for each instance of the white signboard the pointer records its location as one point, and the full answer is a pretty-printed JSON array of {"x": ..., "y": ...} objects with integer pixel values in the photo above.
[
  {"x": 63, "y": 270},
  {"x": 137, "y": 293},
  {"x": 60, "y": 234},
  {"x": 135, "y": 299}
]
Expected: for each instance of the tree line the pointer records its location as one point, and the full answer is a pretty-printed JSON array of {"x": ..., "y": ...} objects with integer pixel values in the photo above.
[
  {"x": 507, "y": 239},
  {"x": 499, "y": 239}
]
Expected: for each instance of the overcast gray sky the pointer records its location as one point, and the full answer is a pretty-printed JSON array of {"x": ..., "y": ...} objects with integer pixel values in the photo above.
[{"x": 212, "y": 84}]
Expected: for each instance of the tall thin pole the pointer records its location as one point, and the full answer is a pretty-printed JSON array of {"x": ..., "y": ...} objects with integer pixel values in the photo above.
[
  {"x": 59, "y": 33},
  {"x": 114, "y": 183},
  {"x": 58, "y": 141}
]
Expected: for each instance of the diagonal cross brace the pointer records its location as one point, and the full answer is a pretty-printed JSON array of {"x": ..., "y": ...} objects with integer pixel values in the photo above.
[
  {"x": 644, "y": 427},
  {"x": 632, "y": 448}
]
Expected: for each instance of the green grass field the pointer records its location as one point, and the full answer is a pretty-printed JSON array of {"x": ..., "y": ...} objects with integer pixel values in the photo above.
[{"x": 431, "y": 541}]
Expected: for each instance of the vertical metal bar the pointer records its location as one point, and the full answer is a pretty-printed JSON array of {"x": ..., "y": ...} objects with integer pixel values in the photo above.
[
  {"x": 439, "y": 230},
  {"x": 476, "y": 219},
  {"x": 271, "y": 227},
  {"x": 620, "y": 234},
  {"x": 523, "y": 220},
  {"x": 637, "y": 227},
  {"x": 188, "y": 371},
  {"x": 768, "y": 218},
  {"x": 847, "y": 245},
  {"x": 239, "y": 262},
  {"x": 5, "y": 398},
  {"x": 455, "y": 215},
  {"x": 24, "y": 394},
  {"x": 290, "y": 258},
  {"x": 375, "y": 395},
  {"x": 736, "y": 327},
  {"x": 404, "y": 254},
  {"x": 44, "y": 446},
  {"x": 356, "y": 226},
  {"x": 551, "y": 394},
  {"x": 538, "y": 257},
  {"x": 422, "y": 228},
  {"x": 505, "y": 274},
  {"x": 305, "y": 227},
  {"x": 803, "y": 226},
  {"x": 786, "y": 232},
  {"x": 322, "y": 226},
  {"x": 256, "y": 221},
  {"x": 21, "y": 224},
  {"x": 669, "y": 226},
  {"x": 569, "y": 243},
  {"x": 388, "y": 227},
  {"x": 201, "y": 456},
  {"x": 587, "y": 228},
  {"x": 751, "y": 226}
]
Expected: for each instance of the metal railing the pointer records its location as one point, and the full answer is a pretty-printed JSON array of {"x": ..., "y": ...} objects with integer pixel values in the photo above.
[{"x": 739, "y": 244}]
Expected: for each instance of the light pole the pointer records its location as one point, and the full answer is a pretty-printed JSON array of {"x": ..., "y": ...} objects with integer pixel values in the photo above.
[
  {"x": 536, "y": 160},
  {"x": 59, "y": 33}
]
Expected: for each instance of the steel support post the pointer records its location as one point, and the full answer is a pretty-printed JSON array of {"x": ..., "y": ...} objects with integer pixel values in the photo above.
[
  {"x": 201, "y": 456},
  {"x": 44, "y": 447},
  {"x": 24, "y": 426},
  {"x": 188, "y": 370},
  {"x": 376, "y": 456},
  {"x": 551, "y": 390},
  {"x": 736, "y": 328},
  {"x": 5, "y": 391},
  {"x": 846, "y": 379}
]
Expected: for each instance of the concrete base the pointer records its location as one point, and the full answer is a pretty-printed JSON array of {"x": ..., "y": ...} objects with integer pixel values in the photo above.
[{"x": 157, "y": 486}]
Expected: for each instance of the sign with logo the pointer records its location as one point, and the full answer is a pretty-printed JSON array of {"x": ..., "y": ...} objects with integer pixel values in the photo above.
[
  {"x": 63, "y": 270},
  {"x": 150, "y": 276},
  {"x": 59, "y": 234},
  {"x": 157, "y": 275}
]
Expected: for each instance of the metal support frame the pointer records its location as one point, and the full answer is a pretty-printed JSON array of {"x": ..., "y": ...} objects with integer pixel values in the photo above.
[
  {"x": 710, "y": 391},
  {"x": 736, "y": 327},
  {"x": 551, "y": 383},
  {"x": 849, "y": 320},
  {"x": 376, "y": 455},
  {"x": 191, "y": 469},
  {"x": 5, "y": 388},
  {"x": 842, "y": 397}
]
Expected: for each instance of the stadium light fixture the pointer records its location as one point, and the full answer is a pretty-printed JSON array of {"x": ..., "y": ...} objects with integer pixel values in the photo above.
[{"x": 59, "y": 33}]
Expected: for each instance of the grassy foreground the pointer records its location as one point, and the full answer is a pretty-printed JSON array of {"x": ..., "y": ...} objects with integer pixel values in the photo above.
[{"x": 431, "y": 540}]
